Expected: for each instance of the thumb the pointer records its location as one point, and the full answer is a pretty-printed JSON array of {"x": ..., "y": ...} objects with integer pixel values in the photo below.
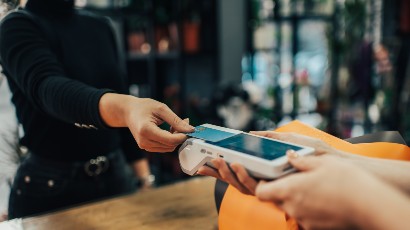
[
  {"x": 305, "y": 163},
  {"x": 173, "y": 120},
  {"x": 172, "y": 130}
]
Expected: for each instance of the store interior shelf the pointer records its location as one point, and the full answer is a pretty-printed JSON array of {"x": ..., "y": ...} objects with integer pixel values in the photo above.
[{"x": 133, "y": 56}]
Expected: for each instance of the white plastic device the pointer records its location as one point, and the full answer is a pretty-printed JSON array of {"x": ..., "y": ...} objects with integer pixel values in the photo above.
[{"x": 195, "y": 153}]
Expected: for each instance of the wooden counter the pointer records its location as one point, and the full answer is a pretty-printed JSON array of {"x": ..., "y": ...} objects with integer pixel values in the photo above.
[{"x": 184, "y": 205}]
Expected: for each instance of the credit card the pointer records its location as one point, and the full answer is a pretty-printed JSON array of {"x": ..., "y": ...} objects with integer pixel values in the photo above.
[{"x": 212, "y": 133}]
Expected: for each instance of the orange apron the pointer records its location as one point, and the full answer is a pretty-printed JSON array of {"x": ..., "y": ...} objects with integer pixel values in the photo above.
[{"x": 239, "y": 211}]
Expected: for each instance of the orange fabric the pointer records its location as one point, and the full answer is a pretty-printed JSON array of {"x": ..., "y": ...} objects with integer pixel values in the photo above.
[
  {"x": 244, "y": 212},
  {"x": 239, "y": 211},
  {"x": 377, "y": 149}
]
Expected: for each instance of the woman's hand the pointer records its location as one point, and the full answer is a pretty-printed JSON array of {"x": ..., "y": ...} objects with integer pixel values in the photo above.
[
  {"x": 144, "y": 119},
  {"x": 328, "y": 193},
  {"x": 234, "y": 174},
  {"x": 239, "y": 178},
  {"x": 143, "y": 116},
  {"x": 318, "y": 196}
]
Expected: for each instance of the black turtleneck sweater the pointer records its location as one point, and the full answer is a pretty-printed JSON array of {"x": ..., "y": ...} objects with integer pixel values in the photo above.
[{"x": 59, "y": 62}]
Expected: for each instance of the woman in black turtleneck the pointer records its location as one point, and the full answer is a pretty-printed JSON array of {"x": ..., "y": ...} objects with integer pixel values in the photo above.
[{"x": 70, "y": 96}]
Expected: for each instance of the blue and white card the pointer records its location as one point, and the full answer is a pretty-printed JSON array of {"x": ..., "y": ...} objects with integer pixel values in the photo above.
[{"x": 212, "y": 133}]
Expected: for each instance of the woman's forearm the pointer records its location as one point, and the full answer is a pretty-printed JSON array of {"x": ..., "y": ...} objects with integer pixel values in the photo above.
[
  {"x": 383, "y": 208},
  {"x": 394, "y": 172}
]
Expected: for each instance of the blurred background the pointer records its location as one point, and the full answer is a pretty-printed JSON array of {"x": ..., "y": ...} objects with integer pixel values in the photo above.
[{"x": 341, "y": 66}]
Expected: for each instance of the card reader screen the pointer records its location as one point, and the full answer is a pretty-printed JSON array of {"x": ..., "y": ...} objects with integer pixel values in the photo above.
[{"x": 260, "y": 147}]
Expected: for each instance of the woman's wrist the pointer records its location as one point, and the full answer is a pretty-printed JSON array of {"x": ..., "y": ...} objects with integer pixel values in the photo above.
[
  {"x": 147, "y": 181},
  {"x": 114, "y": 109},
  {"x": 379, "y": 206},
  {"x": 143, "y": 173}
]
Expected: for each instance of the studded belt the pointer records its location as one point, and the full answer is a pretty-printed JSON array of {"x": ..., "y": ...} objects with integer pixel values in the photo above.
[{"x": 92, "y": 167}]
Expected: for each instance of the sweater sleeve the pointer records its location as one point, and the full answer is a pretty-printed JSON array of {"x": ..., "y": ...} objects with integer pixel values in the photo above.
[{"x": 28, "y": 60}]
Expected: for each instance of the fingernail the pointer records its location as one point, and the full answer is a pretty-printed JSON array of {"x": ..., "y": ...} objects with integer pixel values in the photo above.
[
  {"x": 190, "y": 126},
  {"x": 292, "y": 154}
]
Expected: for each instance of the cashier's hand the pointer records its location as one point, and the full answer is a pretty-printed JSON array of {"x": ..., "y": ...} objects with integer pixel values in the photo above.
[
  {"x": 144, "y": 121},
  {"x": 323, "y": 195},
  {"x": 235, "y": 175},
  {"x": 143, "y": 116},
  {"x": 320, "y": 146}
]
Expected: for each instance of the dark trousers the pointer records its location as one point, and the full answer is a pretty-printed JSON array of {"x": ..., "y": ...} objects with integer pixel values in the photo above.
[{"x": 42, "y": 186}]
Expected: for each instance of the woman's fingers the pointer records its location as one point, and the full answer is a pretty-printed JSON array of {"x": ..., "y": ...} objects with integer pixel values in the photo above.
[
  {"x": 208, "y": 171},
  {"x": 153, "y": 132},
  {"x": 166, "y": 114},
  {"x": 228, "y": 176},
  {"x": 244, "y": 177},
  {"x": 172, "y": 129},
  {"x": 154, "y": 146}
]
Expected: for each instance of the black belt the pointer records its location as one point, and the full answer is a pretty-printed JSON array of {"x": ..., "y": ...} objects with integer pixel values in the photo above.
[{"x": 92, "y": 167}]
